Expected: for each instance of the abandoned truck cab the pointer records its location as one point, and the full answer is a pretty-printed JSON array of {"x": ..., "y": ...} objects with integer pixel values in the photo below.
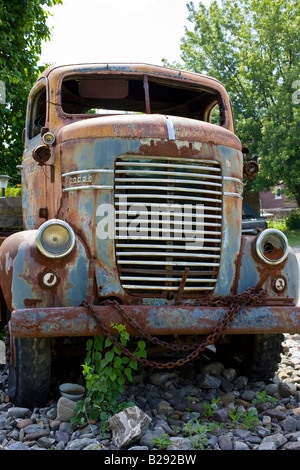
[{"x": 132, "y": 208}]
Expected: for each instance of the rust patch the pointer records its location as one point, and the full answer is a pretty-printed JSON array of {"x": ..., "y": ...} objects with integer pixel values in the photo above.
[{"x": 31, "y": 303}]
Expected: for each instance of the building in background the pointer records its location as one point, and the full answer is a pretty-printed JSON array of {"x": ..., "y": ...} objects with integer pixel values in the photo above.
[{"x": 276, "y": 203}]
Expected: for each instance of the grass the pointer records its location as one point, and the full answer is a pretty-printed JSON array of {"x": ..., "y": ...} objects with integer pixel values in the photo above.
[{"x": 293, "y": 236}]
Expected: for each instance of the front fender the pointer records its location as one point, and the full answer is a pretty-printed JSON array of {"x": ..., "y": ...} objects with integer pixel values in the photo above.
[
  {"x": 252, "y": 272},
  {"x": 29, "y": 279}
]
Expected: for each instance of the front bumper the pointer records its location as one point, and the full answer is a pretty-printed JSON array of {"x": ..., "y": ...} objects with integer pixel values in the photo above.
[{"x": 156, "y": 320}]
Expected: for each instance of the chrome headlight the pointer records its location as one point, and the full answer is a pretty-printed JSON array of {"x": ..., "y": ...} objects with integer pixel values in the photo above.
[
  {"x": 55, "y": 238},
  {"x": 272, "y": 246}
]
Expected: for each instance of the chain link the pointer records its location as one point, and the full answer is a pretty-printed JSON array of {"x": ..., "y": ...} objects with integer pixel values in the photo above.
[{"x": 234, "y": 302}]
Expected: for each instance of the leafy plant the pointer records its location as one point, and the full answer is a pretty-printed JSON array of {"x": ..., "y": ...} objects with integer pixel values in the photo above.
[
  {"x": 234, "y": 414},
  {"x": 162, "y": 443},
  {"x": 106, "y": 370},
  {"x": 209, "y": 408},
  {"x": 198, "y": 434},
  {"x": 24, "y": 29},
  {"x": 13, "y": 191},
  {"x": 262, "y": 397},
  {"x": 293, "y": 221},
  {"x": 250, "y": 419}
]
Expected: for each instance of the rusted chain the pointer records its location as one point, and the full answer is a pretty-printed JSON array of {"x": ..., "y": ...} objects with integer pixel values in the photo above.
[{"x": 235, "y": 302}]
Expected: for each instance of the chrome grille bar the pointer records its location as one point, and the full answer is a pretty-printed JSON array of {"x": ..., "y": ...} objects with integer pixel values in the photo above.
[{"x": 168, "y": 220}]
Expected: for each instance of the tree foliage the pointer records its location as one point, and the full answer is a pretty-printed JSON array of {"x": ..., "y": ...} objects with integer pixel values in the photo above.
[
  {"x": 253, "y": 48},
  {"x": 23, "y": 28}
]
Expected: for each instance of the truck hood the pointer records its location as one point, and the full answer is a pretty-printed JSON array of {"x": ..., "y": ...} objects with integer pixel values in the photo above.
[{"x": 151, "y": 126}]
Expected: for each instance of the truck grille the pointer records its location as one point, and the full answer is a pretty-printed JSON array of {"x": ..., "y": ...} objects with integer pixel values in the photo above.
[{"x": 168, "y": 225}]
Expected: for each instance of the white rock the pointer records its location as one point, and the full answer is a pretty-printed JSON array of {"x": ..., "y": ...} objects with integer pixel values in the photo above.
[{"x": 128, "y": 426}]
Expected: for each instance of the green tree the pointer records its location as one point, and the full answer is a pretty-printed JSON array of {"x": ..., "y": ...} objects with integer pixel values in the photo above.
[
  {"x": 253, "y": 48},
  {"x": 23, "y": 28}
]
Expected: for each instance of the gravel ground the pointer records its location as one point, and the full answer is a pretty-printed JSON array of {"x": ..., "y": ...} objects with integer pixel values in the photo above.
[{"x": 193, "y": 408}]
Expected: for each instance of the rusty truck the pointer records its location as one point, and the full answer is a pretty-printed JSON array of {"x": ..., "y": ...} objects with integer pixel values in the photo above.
[{"x": 132, "y": 190}]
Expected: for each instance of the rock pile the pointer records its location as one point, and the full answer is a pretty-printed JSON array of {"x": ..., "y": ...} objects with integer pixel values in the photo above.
[{"x": 183, "y": 409}]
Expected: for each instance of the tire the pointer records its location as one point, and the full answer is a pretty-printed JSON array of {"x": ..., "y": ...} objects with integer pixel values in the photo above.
[
  {"x": 255, "y": 356},
  {"x": 30, "y": 380}
]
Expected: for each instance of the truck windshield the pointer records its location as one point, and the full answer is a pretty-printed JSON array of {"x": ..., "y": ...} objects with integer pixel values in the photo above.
[{"x": 102, "y": 96}]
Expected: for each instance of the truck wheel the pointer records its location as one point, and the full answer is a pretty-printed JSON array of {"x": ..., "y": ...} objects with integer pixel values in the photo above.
[
  {"x": 29, "y": 381},
  {"x": 255, "y": 356}
]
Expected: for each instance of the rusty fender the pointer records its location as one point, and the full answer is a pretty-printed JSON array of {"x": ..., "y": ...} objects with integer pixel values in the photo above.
[
  {"x": 156, "y": 320},
  {"x": 26, "y": 275}
]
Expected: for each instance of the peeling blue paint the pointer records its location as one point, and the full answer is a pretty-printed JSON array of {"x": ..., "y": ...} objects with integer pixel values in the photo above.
[{"x": 20, "y": 288}]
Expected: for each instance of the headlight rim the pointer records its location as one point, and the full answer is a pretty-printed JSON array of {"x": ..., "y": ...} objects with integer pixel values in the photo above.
[
  {"x": 47, "y": 253},
  {"x": 260, "y": 249}
]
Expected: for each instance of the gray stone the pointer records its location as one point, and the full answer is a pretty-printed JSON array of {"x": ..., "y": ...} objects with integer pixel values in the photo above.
[
  {"x": 128, "y": 426},
  {"x": 187, "y": 391},
  {"x": 14, "y": 435},
  {"x": 240, "y": 382},
  {"x": 207, "y": 381},
  {"x": 52, "y": 413},
  {"x": 268, "y": 445},
  {"x": 60, "y": 446},
  {"x": 275, "y": 413},
  {"x": 225, "y": 385},
  {"x": 248, "y": 395},
  {"x": 18, "y": 412},
  {"x": 241, "y": 433},
  {"x": 290, "y": 424},
  {"x": 147, "y": 438},
  {"x": 93, "y": 446},
  {"x": 278, "y": 439},
  {"x": 168, "y": 430},
  {"x": 238, "y": 445},
  {"x": 253, "y": 439},
  {"x": 138, "y": 448},
  {"x": 66, "y": 427},
  {"x": 221, "y": 415},
  {"x": 180, "y": 443},
  {"x": 159, "y": 378},
  {"x": 46, "y": 442},
  {"x": 257, "y": 386},
  {"x": 212, "y": 441},
  {"x": 292, "y": 446},
  {"x": 80, "y": 444},
  {"x": 225, "y": 442},
  {"x": 212, "y": 368},
  {"x": 65, "y": 409},
  {"x": 229, "y": 374},
  {"x": 34, "y": 428},
  {"x": 34, "y": 436},
  {"x": 163, "y": 407},
  {"x": 17, "y": 446},
  {"x": 271, "y": 389},
  {"x": 61, "y": 436},
  {"x": 287, "y": 389}
]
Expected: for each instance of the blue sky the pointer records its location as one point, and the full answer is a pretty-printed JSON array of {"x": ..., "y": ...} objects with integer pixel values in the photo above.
[{"x": 116, "y": 31}]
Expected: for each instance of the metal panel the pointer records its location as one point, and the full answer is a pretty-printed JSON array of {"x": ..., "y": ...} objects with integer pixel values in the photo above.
[{"x": 181, "y": 320}]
